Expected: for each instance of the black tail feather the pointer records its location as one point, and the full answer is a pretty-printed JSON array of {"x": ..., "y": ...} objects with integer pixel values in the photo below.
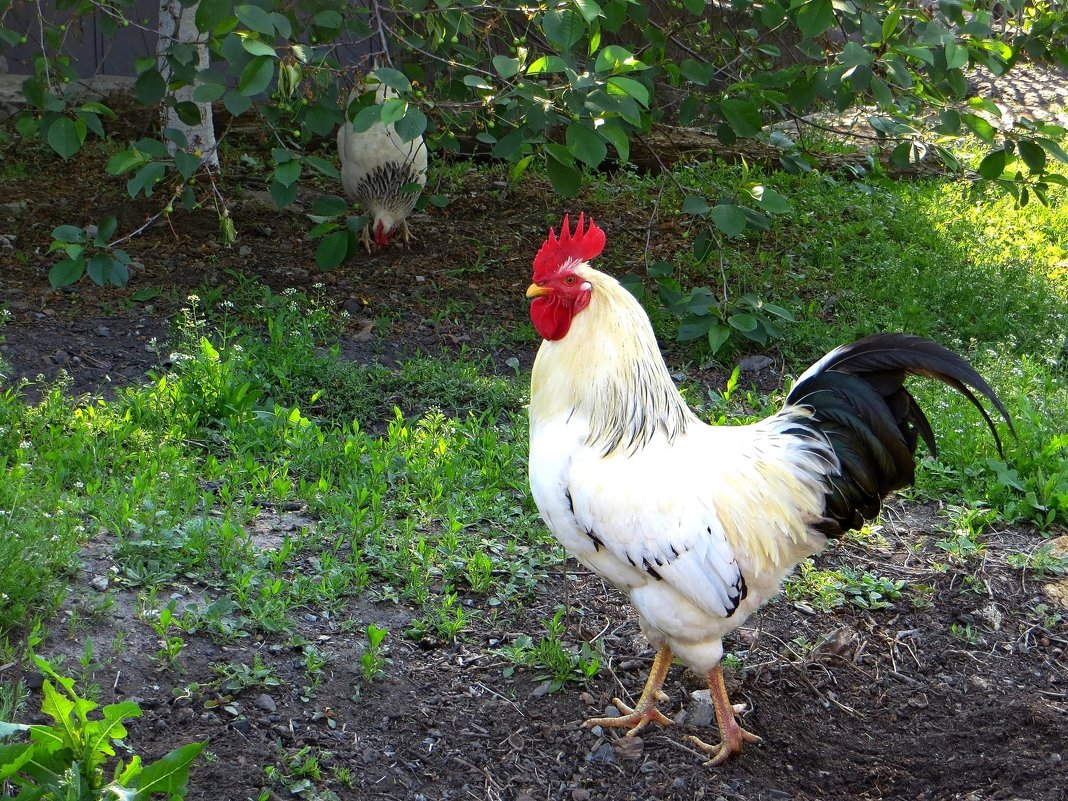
[{"x": 858, "y": 400}]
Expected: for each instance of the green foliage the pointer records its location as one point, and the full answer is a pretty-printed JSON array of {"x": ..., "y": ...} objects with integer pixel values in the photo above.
[
  {"x": 551, "y": 658},
  {"x": 825, "y": 590},
  {"x": 373, "y": 660},
  {"x": 566, "y": 86},
  {"x": 66, "y": 760}
]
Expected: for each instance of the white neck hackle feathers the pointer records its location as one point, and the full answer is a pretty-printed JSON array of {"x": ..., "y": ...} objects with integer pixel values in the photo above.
[{"x": 608, "y": 368}]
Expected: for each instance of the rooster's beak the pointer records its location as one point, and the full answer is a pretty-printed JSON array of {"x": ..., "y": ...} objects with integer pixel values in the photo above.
[{"x": 537, "y": 291}]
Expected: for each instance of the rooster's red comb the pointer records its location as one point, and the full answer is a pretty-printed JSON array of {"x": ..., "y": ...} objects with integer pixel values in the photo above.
[{"x": 583, "y": 245}]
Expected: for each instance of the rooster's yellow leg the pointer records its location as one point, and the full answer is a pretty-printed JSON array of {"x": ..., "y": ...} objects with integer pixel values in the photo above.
[
  {"x": 365, "y": 237},
  {"x": 405, "y": 232},
  {"x": 731, "y": 735},
  {"x": 645, "y": 712}
]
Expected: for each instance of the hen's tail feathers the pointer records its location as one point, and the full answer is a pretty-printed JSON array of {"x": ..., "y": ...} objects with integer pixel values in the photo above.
[{"x": 859, "y": 401}]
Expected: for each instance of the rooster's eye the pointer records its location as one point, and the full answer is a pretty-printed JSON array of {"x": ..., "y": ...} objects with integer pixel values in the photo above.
[{"x": 569, "y": 280}]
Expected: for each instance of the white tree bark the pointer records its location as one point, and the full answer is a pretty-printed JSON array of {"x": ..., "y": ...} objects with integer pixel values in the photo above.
[{"x": 178, "y": 24}]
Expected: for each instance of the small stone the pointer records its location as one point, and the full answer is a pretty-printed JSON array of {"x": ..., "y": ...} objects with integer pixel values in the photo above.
[
  {"x": 244, "y": 251},
  {"x": 266, "y": 703},
  {"x": 629, "y": 747},
  {"x": 310, "y": 618},
  {"x": 610, "y": 711},
  {"x": 542, "y": 689},
  {"x": 580, "y": 794},
  {"x": 102, "y": 331},
  {"x": 700, "y": 712},
  {"x": 602, "y": 753},
  {"x": 99, "y": 583},
  {"x": 754, "y": 364},
  {"x": 586, "y": 698},
  {"x": 597, "y": 731}
]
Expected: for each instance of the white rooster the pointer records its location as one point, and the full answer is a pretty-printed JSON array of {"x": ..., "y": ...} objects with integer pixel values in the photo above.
[
  {"x": 380, "y": 171},
  {"x": 700, "y": 524}
]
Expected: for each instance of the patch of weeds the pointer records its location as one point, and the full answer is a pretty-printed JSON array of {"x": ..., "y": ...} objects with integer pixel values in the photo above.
[
  {"x": 66, "y": 759},
  {"x": 446, "y": 619},
  {"x": 299, "y": 772},
  {"x": 825, "y": 590},
  {"x": 966, "y": 633},
  {"x": 237, "y": 677},
  {"x": 551, "y": 658},
  {"x": 1048, "y": 618},
  {"x": 171, "y": 643},
  {"x": 1041, "y": 561}
]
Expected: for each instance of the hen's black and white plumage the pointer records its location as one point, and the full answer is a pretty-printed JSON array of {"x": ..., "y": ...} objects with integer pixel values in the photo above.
[{"x": 380, "y": 172}]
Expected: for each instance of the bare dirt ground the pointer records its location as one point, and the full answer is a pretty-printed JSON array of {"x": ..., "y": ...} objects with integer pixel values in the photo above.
[{"x": 963, "y": 696}]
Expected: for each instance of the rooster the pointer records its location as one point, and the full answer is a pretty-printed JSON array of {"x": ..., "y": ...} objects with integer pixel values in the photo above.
[
  {"x": 382, "y": 172},
  {"x": 700, "y": 524}
]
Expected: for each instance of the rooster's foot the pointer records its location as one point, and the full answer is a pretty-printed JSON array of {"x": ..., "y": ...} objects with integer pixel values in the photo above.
[
  {"x": 730, "y": 743},
  {"x": 634, "y": 719}
]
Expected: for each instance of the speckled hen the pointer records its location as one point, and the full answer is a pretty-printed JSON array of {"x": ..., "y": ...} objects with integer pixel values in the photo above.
[
  {"x": 383, "y": 173},
  {"x": 700, "y": 524}
]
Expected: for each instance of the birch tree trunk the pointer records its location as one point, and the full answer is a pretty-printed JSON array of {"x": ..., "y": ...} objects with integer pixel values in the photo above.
[{"x": 177, "y": 25}]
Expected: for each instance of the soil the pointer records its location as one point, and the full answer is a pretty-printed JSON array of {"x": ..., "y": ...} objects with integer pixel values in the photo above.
[{"x": 964, "y": 697}]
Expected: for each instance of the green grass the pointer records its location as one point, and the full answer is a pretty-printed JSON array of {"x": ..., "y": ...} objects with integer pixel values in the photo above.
[{"x": 412, "y": 480}]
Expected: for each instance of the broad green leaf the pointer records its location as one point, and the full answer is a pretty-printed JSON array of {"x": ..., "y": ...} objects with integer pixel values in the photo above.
[
  {"x": 149, "y": 88},
  {"x": 980, "y": 127},
  {"x": 769, "y": 200},
  {"x": 257, "y": 47},
  {"x": 329, "y": 206},
  {"x": 66, "y": 272},
  {"x": 328, "y": 18},
  {"x": 814, "y": 17},
  {"x": 611, "y": 132},
  {"x": 718, "y": 336},
  {"x": 630, "y": 87},
  {"x": 563, "y": 27},
  {"x": 697, "y": 72},
  {"x": 281, "y": 194},
  {"x": 881, "y": 92},
  {"x": 393, "y": 109},
  {"x": 729, "y": 219},
  {"x": 168, "y": 775},
  {"x": 322, "y": 166},
  {"x": 742, "y": 115},
  {"x": 65, "y": 136},
  {"x": 1032, "y": 154},
  {"x": 332, "y": 250},
  {"x": 695, "y": 327},
  {"x": 743, "y": 322},
  {"x": 565, "y": 179},
  {"x": 208, "y": 92},
  {"x": 394, "y": 79},
  {"x": 236, "y": 103},
  {"x": 68, "y": 233},
  {"x": 890, "y": 24},
  {"x": 366, "y": 118},
  {"x": 615, "y": 59},
  {"x": 506, "y": 67},
  {"x": 411, "y": 125},
  {"x": 589, "y": 10},
  {"x": 145, "y": 179},
  {"x": 146, "y": 293},
  {"x": 695, "y": 7},
  {"x": 993, "y": 164},
  {"x": 287, "y": 172},
  {"x": 105, "y": 230},
  {"x": 211, "y": 14},
  {"x": 949, "y": 122},
  {"x": 104, "y": 271},
  {"x": 1053, "y": 149},
  {"x": 695, "y": 204},
  {"x": 547, "y": 64},
  {"x": 956, "y": 56},
  {"x": 256, "y": 19},
  {"x": 256, "y": 76},
  {"x": 586, "y": 146}
]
